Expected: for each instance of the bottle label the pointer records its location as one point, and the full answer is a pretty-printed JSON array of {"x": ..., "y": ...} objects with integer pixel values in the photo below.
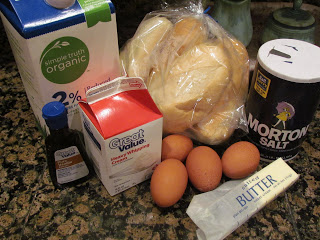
[
  {"x": 69, "y": 165},
  {"x": 279, "y": 113}
]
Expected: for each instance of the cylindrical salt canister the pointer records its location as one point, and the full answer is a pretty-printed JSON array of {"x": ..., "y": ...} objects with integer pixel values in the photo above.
[{"x": 283, "y": 97}]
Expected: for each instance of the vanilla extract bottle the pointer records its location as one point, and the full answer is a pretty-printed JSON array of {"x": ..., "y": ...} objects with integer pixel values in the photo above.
[{"x": 67, "y": 159}]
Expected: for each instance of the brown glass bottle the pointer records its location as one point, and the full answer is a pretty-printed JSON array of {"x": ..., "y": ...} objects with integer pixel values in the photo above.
[{"x": 67, "y": 159}]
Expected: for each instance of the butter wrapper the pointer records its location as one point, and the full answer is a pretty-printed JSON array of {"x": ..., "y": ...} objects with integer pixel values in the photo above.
[{"x": 219, "y": 212}]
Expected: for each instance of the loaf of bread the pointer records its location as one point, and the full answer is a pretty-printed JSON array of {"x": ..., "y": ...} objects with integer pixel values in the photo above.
[
  {"x": 138, "y": 51},
  {"x": 195, "y": 72},
  {"x": 182, "y": 95}
]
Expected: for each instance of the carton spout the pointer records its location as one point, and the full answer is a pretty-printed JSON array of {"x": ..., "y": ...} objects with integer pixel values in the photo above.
[{"x": 60, "y": 4}]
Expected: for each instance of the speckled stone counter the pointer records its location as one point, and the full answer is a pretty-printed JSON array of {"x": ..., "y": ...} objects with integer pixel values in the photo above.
[{"x": 31, "y": 208}]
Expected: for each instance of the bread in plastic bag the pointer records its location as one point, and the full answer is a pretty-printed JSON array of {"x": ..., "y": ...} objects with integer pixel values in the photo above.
[{"x": 196, "y": 73}]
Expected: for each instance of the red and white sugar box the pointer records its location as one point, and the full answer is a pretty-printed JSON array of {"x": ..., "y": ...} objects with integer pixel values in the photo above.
[{"x": 122, "y": 128}]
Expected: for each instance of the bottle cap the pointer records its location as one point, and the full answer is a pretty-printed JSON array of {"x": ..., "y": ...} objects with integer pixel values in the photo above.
[
  {"x": 60, "y": 4},
  {"x": 55, "y": 115},
  {"x": 291, "y": 59}
]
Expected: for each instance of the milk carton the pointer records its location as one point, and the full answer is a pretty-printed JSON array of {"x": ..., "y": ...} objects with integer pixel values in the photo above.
[
  {"x": 62, "y": 49},
  {"x": 122, "y": 128}
]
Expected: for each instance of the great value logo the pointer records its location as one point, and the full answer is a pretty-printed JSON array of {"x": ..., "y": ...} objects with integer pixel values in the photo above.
[
  {"x": 64, "y": 60},
  {"x": 66, "y": 153},
  {"x": 128, "y": 142}
]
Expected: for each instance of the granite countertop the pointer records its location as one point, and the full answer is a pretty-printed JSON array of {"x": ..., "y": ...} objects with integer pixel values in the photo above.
[{"x": 32, "y": 208}]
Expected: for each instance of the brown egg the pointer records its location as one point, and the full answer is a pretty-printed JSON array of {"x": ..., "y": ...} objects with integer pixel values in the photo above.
[
  {"x": 176, "y": 146},
  {"x": 168, "y": 182},
  {"x": 204, "y": 168},
  {"x": 240, "y": 160}
]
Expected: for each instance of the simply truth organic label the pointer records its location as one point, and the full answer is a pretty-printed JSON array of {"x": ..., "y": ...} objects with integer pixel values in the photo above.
[{"x": 64, "y": 60}]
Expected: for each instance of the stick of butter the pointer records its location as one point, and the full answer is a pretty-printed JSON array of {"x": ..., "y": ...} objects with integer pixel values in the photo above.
[{"x": 219, "y": 212}]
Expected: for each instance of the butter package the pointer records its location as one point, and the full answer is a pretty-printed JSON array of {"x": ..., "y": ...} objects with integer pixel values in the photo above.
[
  {"x": 122, "y": 128},
  {"x": 62, "y": 49},
  {"x": 219, "y": 212}
]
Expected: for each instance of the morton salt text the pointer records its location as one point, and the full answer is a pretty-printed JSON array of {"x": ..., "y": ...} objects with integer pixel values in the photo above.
[
  {"x": 128, "y": 141},
  {"x": 275, "y": 138}
]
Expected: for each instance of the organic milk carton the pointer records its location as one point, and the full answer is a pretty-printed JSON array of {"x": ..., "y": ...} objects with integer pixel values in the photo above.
[
  {"x": 62, "y": 49},
  {"x": 122, "y": 128}
]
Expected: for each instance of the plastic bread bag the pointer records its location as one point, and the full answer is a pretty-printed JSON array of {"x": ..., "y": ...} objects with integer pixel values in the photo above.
[{"x": 196, "y": 72}]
